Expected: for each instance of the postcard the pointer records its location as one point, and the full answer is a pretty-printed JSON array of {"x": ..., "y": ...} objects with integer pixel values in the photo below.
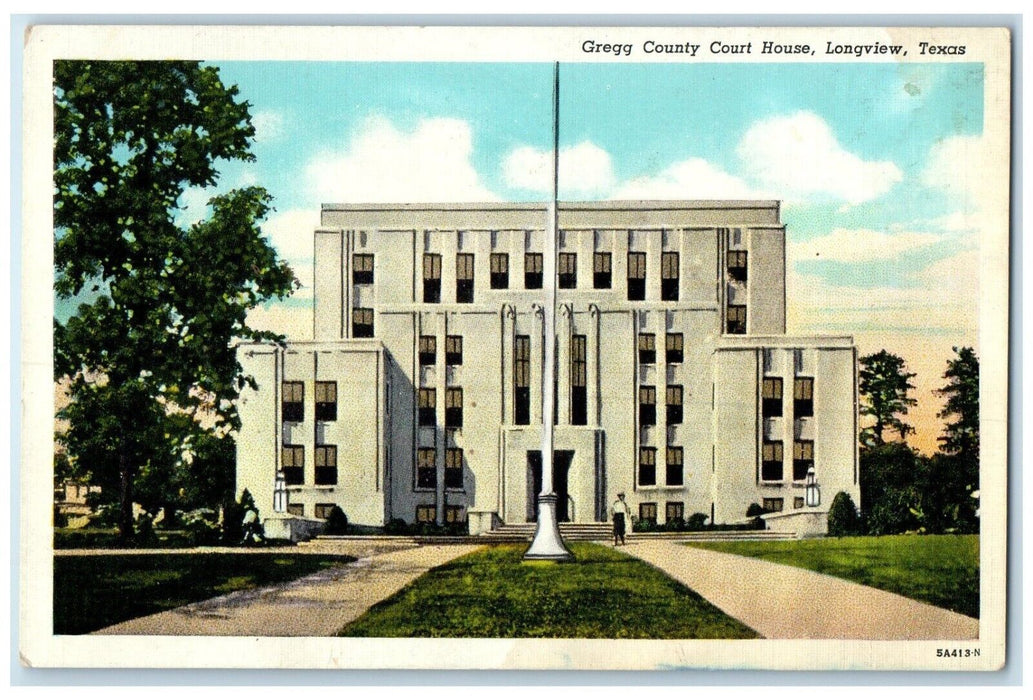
[{"x": 594, "y": 348}]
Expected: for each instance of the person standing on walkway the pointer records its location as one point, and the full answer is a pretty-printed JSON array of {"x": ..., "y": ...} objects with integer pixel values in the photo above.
[{"x": 621, "y": 516}]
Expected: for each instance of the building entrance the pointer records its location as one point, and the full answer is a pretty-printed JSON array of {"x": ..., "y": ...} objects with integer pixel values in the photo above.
[{"x": 561, "y": 460}]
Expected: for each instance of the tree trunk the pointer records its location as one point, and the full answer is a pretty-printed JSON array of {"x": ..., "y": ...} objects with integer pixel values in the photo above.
[{"x": 125, "y": 495}]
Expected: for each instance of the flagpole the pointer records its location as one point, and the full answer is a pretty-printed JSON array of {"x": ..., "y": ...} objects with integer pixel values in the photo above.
[{"x": 547, "y": 543}]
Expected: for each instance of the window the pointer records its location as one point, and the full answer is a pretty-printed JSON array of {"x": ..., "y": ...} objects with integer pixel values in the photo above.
[
  {"x": 669, "y": 277},
  {"x": 428, "y": 350},
  {"x": 568, "y": 271},
  {"x": 675, "y": 348},
  {"x": 798, "y": 502},
  {"x": 454, "y": 514},
  {"x": 453, "y": 468},
  {"x": 647, "y": 512},
  {"x": 803, "y": 397},
  {"x": 803, "y": 459},
  {"x": 773, "y": 505},
  {"x": 647, "y": 405},
  {"x": 771, "y": 461},
  {"x": 532, "y": 271},
  {"x": 499, "y": 271},
  {"x": 578, "y": 380},
  {"x": 428, "y": 404},
  {"x": 362, "y": 268},
  {"x": 426, "y": 514},
  {"x": 453, "y": 349},
  {"x": 636, "y": 276},
  {"x": 296, "y": 509},
  {"x": 736, "y": 319},
  {"x": 453, "y": 408},
  {"x": 646, "y": 348},
  {"x": 464, "y": 278},
  {"x": 675, "y": 396},
  {"x": 522, "y": 380},
  {"x": 431, "y": 278},
  {"x": 647, "y": 466},
  {"x": 326, "y": 465},
  {"x": 293, "y": 402},
  {"x": 602, "y": 271},
  {"x": 322, "y": 510},
  {"x": 675, "y": 466},
  {"x": 771, "y": 397},
  {"x": 675, "y": 511},
  {"x": 362, "y": 323},
  {"x": 292, "y": 460},
  {"x": 737, "y": 265},
  {"x": 326, "y": 400},
  {"x": 426, "y": 468}
]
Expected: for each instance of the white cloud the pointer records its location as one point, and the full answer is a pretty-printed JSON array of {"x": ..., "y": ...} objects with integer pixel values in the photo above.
[
  {"x": 799, "y": 157},
  {"x": 291, "y": 232},
  {"x": 268, "y": 125},
  {"x": 962, "y": 167},
  {"x": 585, "y": 169},
  {"x": 384, "y": 164},
  {"x": 694, "y": 178},
  {"x": 860, "y": 245}
]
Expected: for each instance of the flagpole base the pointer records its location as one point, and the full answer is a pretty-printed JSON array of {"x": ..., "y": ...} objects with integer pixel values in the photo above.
[{"x": 547, "y": 543}]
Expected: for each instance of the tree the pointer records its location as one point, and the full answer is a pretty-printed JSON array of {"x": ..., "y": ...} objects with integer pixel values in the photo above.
[
  {"x": 884, "y": 384},
  {"x": 961, "y": 410},
  {"x": 954, "y": 478},
  {"x": 164, "y": 301}
]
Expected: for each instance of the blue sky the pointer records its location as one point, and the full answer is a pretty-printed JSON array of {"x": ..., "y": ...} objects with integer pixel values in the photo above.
[{"x": 880, "y": 167}]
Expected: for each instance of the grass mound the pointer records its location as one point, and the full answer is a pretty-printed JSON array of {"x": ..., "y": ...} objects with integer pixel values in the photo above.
[{"x": 493, "y": 593}]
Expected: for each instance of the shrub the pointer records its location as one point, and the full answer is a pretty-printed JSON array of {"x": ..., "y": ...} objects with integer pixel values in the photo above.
[
  {"x": 755, "y": 510},
  {"x": 336, "y": 522},
  {"x": 201, "y": 527},
  {"x": 843, "y": 518},
  {"x": 396, "y": 526},
  {"x": 696, "y": 521}
]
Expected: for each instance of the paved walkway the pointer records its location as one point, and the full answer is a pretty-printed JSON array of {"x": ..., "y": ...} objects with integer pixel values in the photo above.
[
  {"x": 317, "y": 605},
  {"x": 787, "y": 602}
]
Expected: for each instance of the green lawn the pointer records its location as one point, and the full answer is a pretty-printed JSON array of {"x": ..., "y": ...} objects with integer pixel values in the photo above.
[
  {"x": 938, "y": 569},
  {"x": 492, "y": 593},
  {"x": 94, "y": 591}
]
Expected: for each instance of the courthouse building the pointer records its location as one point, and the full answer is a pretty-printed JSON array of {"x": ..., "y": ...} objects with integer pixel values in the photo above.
[{"x": 420, "y": 397}]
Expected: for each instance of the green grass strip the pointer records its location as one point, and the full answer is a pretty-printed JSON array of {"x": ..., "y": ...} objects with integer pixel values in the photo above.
[
  {"x": 939, "y": 569},
  {"x": 492, "y": 593},
  {"x": 95, "y": 591}
]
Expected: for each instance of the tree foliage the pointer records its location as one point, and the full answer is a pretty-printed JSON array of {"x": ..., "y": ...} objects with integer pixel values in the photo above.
[
  {"x": 885, "y": 383},
  {"x": 164, "y": 301},
  {"x": 892, "y": 479},
  {"x": 961, "y": 410}
]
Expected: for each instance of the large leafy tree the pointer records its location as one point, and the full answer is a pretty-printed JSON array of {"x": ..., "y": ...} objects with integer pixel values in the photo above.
[
  {"x": 163, "y": 301},
  {"x": 885, "y": 383}
]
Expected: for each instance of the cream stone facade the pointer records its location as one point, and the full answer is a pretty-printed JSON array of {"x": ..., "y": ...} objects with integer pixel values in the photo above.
[{"x": 421, "y": 396}]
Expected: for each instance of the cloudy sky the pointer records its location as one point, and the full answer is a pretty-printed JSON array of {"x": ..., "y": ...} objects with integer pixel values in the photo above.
[{"x": 879, "y": 168}]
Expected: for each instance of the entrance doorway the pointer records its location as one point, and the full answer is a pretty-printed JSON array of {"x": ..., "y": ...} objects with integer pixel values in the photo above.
[{"x": 561, "y": 460}]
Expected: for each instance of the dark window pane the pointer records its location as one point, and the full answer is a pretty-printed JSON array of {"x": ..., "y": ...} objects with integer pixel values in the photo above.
[
  {"x": 326, "y": 476},
  {"x": 522, "y": 410},
  {"x": 578, "y": 406},
  {"x": 293, "y": 476}
]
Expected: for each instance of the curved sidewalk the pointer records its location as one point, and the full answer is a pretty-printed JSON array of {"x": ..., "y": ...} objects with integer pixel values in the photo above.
[
  {"x": 787, "y": 602},
  {"x": 317, "y": 605}
]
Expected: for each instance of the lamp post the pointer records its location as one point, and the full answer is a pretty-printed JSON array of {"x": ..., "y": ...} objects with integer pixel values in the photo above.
[
  {"x": 547, "y": 542},
  {"x": 280, "y": 493},
  {"x": 813, "y": 492}
]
